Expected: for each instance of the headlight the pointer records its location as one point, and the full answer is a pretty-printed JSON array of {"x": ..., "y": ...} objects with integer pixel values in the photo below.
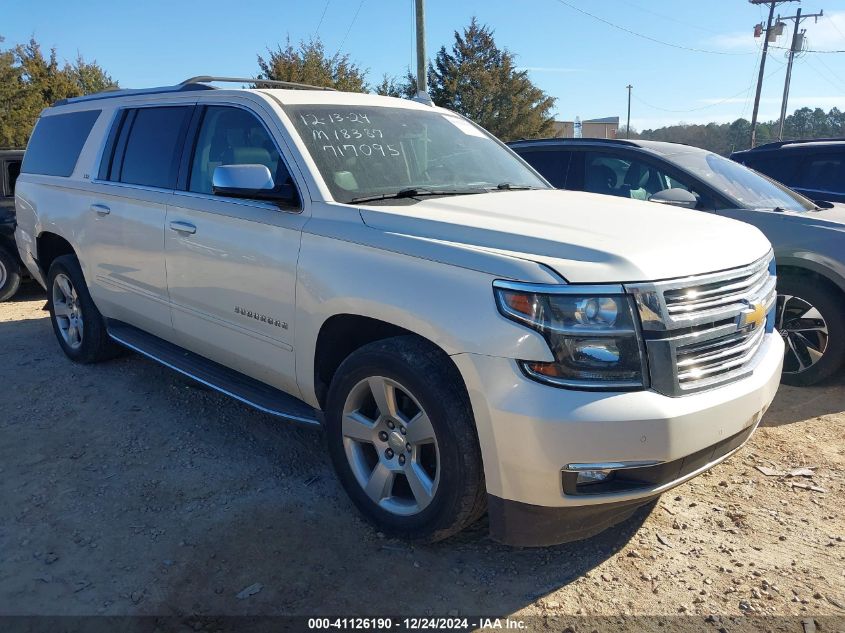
[{"x": 591, "y": 332}]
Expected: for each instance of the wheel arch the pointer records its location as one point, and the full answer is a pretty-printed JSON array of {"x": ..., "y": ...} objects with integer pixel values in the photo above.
[
  {"x": 801, "y": 266},
  {"x": 342, "y": 334},
  {"x": 49, "y": 246}
]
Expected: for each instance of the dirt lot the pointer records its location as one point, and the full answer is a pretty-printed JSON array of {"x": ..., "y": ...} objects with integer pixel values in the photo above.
[{"x": 127, "y": 490}]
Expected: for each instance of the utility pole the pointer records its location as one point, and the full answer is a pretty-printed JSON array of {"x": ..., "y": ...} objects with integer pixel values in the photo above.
[
  {"x": 759, "y": 30},
  {"x": 795, "y": 47},
  {"x": 628, "y": 125},
  {"x": 422, "y": 75}
]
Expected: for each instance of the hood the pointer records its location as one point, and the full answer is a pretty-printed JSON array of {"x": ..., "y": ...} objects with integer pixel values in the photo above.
[{"x": 585, "y": 238}]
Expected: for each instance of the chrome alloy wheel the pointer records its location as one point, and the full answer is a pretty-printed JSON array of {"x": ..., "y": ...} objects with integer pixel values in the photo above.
[
  {"x": 804, "y": 331},
  {"x": 391, "y": 446},
  {"x": 3, "y": 274},
  {"x": 67, "y": 311}
]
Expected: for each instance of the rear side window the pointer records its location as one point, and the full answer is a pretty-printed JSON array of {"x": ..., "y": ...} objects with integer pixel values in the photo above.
[
  {"x": 824, "y": 173},
  {"x": 552, "y": 164},
  {"x": 149, "y": 148},
  {"x": 56, "y": 143},
  {"x": 781, "y": 168},
  {"x": 13, "y": 170}
]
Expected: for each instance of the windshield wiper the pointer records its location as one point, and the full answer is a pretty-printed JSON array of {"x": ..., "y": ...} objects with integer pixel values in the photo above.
[
  {"x": 414, "y": 192},
  {"x": 506, "y": 186}
]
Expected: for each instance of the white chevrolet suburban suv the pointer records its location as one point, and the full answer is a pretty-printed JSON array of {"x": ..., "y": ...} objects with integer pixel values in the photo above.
[{"x": 469, "y": 338}]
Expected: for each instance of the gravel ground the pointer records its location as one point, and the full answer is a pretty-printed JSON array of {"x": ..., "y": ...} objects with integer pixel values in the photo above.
[{"x": 127, "y": 490}]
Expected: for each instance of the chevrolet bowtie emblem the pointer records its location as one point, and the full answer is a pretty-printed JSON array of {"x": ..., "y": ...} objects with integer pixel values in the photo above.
[{"x": 754, "y": 317}]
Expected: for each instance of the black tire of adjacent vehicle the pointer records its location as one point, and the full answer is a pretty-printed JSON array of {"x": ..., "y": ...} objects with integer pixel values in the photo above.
[
  {"x": 96, "y": 344},
  {"x": 435, "y": 382},
  {"x": 829, "y": 301},
  {"x": 12, "y": 277}
]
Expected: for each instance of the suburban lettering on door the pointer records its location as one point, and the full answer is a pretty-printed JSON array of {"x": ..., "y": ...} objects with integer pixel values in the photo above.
[{"x": 262, "y": 318}]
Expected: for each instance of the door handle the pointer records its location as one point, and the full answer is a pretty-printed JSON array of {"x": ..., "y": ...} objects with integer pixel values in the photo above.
[
  {"x": 183, "y": 227},
  {"x": 100, "y": 209}
]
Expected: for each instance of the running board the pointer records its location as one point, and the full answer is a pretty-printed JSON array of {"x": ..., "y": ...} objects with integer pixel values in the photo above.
[{"x": 251, "y": 392}]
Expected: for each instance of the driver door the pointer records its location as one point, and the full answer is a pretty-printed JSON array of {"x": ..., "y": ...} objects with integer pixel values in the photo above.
[{"x": 231, "y": 263}]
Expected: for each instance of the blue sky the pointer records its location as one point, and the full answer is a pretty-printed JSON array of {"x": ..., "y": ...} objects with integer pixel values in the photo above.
[{"x": 582, "y": 61}]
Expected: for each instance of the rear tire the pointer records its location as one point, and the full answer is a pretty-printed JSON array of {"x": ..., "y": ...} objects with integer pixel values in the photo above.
[
  {"x": 810, "y": 317},
  {"x": 426, "y": 492},
  {"x": 78, "y": 325},
  {"x": 10, "y": 275}
]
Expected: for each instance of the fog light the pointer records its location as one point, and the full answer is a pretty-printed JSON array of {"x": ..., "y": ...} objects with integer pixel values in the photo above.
[{"x": 592, "y": 476}]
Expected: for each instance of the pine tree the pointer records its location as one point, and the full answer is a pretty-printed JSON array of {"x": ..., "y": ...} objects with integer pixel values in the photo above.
[
  {"x": 308, "y": 64},
  {"x": 31, "y": 81},
  {"x": 481, "y": 81}
]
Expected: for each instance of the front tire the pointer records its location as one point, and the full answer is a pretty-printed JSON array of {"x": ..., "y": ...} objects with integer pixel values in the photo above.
[
  {"x": 810, "y": 317},
  {"x": 78, "y": 325},
  {"x": 402, "y": 439},
  {"x": 10, "y": 275}
]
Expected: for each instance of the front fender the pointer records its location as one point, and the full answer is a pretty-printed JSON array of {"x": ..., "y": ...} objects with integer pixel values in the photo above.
[
  {"x": 823, "y": 265},
  {"x": 453, "y": 307}
]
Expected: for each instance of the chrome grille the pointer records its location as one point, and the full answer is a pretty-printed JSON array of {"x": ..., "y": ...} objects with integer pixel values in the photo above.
[
  {"x": 716, "y": 296},
  {"x": 712, "y": 359},
  {"x": 706, "y": 330}
]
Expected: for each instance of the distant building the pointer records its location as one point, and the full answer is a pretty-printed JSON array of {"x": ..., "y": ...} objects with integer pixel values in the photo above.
[{"x": 590, "y": 128}]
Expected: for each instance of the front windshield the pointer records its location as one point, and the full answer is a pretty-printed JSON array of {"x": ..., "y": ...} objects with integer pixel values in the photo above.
[
  {"x": 748, "y": 188},
  {"x": 368, "y": 151}
]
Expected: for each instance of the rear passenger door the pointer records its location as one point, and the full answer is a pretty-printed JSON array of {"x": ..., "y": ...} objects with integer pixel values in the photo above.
[
  {"x": 124, "y": 239},
  {"x": 231, "y": 263}
]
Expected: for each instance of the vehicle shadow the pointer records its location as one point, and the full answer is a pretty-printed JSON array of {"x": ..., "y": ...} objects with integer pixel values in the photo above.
[
  {"x": 794, "y": 404},
  {"x": 29, "y": 291},
  {"x": 322, "y": 560}
]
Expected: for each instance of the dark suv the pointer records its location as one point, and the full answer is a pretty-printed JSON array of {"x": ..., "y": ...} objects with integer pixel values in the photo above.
[
  {"x": 11, "y": 267},
  {"x": 807, "y": 237},
  {"x": 814, "y": 168}
]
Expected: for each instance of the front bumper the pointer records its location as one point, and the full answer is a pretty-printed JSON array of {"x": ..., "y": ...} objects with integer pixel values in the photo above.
[{"x": 529, "y": 432}]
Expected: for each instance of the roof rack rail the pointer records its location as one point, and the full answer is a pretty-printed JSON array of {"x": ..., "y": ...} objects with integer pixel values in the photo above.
[
  {"x": 204, "y": 79},
  {"x": 131, "y": 92},
  {"x": 584, "y": 139},
  {"x": 799, "y": 141},
  {"x": 193, "y": 83}
]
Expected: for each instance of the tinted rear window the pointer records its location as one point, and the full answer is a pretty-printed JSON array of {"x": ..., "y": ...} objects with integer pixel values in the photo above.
[
  {"x": 56, "y": 142},
  {"x": 154, "y": 147}
]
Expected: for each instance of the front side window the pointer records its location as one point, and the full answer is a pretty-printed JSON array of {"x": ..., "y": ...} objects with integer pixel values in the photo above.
[
  {"x": 153, "y": 146},
  {"x": 232, "y": 136},
  {"x": 57, "y": 141},
  {"x": 367, "y": 151},
  {"x": 626, "y": 177}
]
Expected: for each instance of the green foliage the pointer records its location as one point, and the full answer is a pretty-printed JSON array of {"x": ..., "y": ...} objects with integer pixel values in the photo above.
[
  {"x": 481, "y": 81},
  {"x": 724, "y": 138},
  {"x": 30, "y": 82},
  {"x": 308, "y": 64}
]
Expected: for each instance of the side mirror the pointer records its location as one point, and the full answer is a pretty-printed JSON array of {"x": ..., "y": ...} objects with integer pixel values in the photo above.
[
  {"x": 677, "y": 197},
  {"x": 253, "y": 182}
]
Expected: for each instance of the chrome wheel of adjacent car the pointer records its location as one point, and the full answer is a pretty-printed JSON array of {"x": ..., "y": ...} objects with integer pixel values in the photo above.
[
  {"x": 391, "y": 446},
  {"x": 804, "y": 331},
  {"x": 67, "y": 311}
]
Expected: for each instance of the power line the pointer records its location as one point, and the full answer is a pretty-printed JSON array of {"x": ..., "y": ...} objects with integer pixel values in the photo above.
[
  {"x": 648, "y": 37},
  {"x": 351, "y": 24},
  {"x": 744, "y": 91},
  {"x": 670, "y": 18},
  {"x": 320, "y": 23}
]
